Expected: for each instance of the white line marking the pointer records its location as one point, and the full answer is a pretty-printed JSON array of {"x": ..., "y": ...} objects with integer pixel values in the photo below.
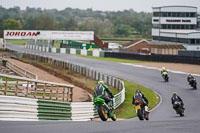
[
  {"x": 154, "y": 68},
  {"x": 160, "y": 101}
]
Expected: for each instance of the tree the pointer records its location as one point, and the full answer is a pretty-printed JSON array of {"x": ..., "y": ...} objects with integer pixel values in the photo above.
[
  {"x": 69, "y": 23},
  {"x": 45, "y": 21},
  {"x": 12, "y": 24},
  {"x": 124, "y": 30}
]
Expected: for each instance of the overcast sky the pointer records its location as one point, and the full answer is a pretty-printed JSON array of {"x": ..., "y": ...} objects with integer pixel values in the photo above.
[{"x": 103, "y": 5}]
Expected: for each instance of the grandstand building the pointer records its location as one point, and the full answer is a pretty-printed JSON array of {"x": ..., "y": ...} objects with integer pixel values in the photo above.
[{"x": 177, "y": 25}]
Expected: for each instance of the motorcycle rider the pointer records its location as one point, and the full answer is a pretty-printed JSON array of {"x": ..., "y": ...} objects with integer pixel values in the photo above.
[
  {"x": 190, "y": 79},
  {"x": 175, "y": 98},
  {"x": 100, "y": 90},
  {"x": 163, "y": 70},
  {"x": 138, "y": 95}
]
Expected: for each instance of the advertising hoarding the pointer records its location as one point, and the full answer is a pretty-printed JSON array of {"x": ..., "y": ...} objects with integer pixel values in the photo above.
[{"x": 48, "y": 35}]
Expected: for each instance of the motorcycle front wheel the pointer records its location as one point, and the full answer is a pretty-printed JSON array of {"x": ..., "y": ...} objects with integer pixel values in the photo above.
[
  {"x": 140, "y": 114},
  {"x": 102, "y": 114},
  {"x": 114, "y": 117}
]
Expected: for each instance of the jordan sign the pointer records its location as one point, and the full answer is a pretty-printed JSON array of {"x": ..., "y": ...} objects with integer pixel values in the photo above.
[
  {"x": 48, "y": 35},
  {"x": 20, "y": 34}
]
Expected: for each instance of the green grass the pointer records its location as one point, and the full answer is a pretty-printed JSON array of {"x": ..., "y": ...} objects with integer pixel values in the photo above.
[
  {"x": 17, "y": 42},
  {"x": 114, "y": 59},
  {"x": 127, "y": 110},
  {"x": 9, "y": 79}
]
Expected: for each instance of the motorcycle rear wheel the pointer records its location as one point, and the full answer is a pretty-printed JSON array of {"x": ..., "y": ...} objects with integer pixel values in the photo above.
[
  {"x": 102, "y": 114},
  {"x": 147, "y": 116},
  {"x": 181, "y": 114}
]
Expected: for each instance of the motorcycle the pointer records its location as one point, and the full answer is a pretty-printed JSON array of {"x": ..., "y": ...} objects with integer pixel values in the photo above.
[
  {"x": 193, "y": 83},
  {"x": 142, "y": 112},
  {"x": 104, "y": 110},
  {"x": 179, "y": 109},
  {"x": 165, "y": 76}
]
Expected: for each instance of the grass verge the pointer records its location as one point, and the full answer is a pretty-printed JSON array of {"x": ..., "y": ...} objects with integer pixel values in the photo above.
[
  {"x": 127, "y": 110},
  {"x": 114, "y": 59},
  {"x": 17, "y": 42}
]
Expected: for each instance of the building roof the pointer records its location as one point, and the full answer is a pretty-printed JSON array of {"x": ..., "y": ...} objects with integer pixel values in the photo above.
[
  {"x": 174, "y": 6},
  {"x": 133, "y": 43},
  {"x": 179, "y": 31},
  {"x": 165, "y": 46}
]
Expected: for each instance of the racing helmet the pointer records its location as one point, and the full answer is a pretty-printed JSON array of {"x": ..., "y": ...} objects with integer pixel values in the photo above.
[
  {"x": 174, "y": 93},
  {"x": 138, "y": 91},
  {"x": 100, "y": 82}
]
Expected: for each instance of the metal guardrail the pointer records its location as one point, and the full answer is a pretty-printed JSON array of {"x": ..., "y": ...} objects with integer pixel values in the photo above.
[{"x": 32, "y": 88}]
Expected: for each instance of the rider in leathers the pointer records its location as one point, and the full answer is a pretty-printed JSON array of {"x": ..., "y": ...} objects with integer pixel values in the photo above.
[
  {"x": 175, "y": 98},
  {"x": 190, "y": 79},
  {"x": 100, "y": 91},
  {"x": 140, "y": 96}
]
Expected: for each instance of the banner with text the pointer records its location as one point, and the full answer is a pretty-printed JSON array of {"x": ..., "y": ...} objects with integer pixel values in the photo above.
[{"x": 48, "y": 35}]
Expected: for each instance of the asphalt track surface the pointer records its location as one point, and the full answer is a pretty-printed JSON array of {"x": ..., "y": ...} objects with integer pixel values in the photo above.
[{"x": 162, "y": 119}]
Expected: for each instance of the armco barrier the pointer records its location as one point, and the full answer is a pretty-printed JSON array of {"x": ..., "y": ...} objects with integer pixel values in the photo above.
[
  {"x": 26, "y": 109},
  {"x": 95, "y": 52},
  {"x": 51, "y": 110},
  {"x": 17, "y": 108}
]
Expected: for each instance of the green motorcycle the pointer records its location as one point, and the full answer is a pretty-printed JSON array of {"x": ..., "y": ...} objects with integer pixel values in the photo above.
[{"x": 104, "y": 110}]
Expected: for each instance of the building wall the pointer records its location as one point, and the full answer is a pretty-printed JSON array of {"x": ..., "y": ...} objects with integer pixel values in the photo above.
[
  {"x": 165, "y": 51},
  {"x": 142, "y": 47}
]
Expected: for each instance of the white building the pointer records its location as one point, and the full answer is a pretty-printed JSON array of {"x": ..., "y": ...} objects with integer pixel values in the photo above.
[{"x": 177, "y": 24}]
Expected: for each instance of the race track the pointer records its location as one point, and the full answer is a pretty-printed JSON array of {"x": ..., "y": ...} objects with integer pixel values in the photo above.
[{"x": 162, "y": 119}]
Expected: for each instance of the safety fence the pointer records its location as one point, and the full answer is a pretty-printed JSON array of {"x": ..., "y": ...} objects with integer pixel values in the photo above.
[
  {"x": 24, "y": 87},
  {"x": 27, "y": 109},
  {"x": 95, "y": 52}
]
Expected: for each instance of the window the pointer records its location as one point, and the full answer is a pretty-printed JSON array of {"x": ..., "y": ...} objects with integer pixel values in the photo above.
[
  {"x": 178, "y": 14},
  {"x": 192, "y": 14},
  {"x": 182, "y": 14},
  {"x": 192, "y": 41},
  {"x": 169, "y": 26},
  {"x": 164, "y": 26},
  {"x": 173, "y": 14},
  {"x": 169, "y": 14},
  {"x": 187, "y": 14},
  {"x": 155, "y": 20},
  {"x": 156, "y": 14},
  {"x": 156, "y": 26},
  {"x": 164, "y": 14},
  {"x": 198, "y": 41}
]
